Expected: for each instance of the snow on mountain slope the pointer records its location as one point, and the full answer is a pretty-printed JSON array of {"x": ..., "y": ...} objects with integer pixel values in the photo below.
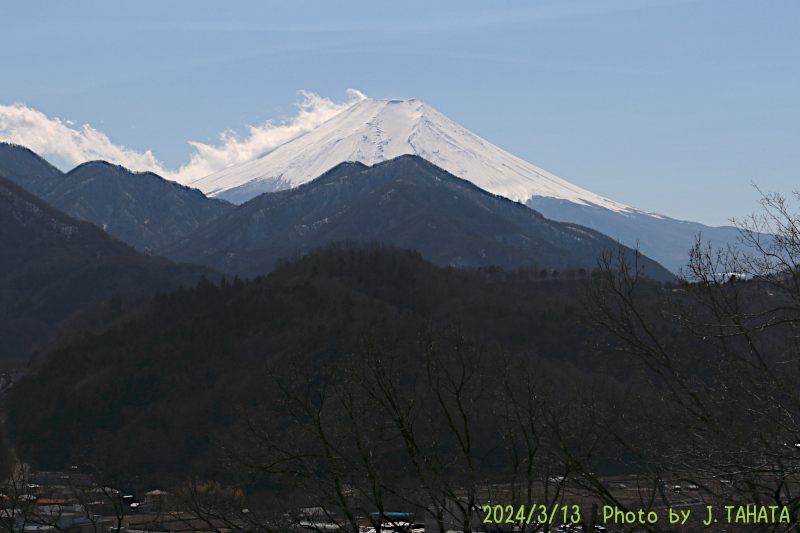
[{"x": 372, "y": 131}]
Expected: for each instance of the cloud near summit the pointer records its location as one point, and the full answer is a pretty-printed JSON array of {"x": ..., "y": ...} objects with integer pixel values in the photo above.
[{"x": 28, "y": 127}]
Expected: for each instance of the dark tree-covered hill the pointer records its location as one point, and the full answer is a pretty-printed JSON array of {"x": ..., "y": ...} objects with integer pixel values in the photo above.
[
  {"x": 27, "y": 169},
  {"x": 139, "y": 208},
  {"x": 407, "y": 202},
  {"x": 52, "y": 266},
  {"x": 171, "y": 376}
]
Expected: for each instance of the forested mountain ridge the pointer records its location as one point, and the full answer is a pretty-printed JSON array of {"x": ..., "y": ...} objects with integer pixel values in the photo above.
[
  {"x": 178, "y": 369},
  {"x": 27, "y": 169},
  {"x": 139, "y": 208},
  {"x": 53, "y": 265},
  {"x": 407, "y": 202}
]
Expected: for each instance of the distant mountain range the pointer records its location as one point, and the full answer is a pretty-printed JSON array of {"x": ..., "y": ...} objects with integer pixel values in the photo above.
[
  {"x": 407, "y": 202},
  {"x": 139, "y": 208},
  {"x": 53, "y": 266},
  {"x": 373, "y": 131},
  {"x": 27, "y": 169},
  {"x": 142, "y": 209}
]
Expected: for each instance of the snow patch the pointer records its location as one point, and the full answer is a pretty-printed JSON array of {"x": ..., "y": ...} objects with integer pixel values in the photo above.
[{"x": 372, "y": 131}]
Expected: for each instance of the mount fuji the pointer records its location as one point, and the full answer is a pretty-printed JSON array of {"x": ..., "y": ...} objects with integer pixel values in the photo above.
[{"x": 373, "y": 131}]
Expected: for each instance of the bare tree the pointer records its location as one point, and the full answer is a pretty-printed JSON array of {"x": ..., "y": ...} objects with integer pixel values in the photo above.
[
  {"x": 720, "y": 362},
  {"x": 381, "y": 428},
  {"x": 18, "y": 505},
  {"x": 546, "y": 439},
  {"x": 324, "y": 438},
  {"x": 443, "y": 425}
]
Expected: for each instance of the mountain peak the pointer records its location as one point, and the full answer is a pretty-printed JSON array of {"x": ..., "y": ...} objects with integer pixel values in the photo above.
[
  {"x": 105, "y": 165},
  {"x": 372, "y": 131}
]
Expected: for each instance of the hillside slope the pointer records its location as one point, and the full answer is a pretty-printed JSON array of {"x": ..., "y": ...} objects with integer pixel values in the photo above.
[
  {"x": 172, "y": 376},
  {"x": 407, "y": 202},
  {"x": 53, "y": 266},
  {"x": 27, "y": 169},
  {"x": 139, "y": 208}
]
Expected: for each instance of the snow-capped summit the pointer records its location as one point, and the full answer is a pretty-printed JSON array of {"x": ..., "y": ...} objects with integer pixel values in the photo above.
[{"x": 372, "y": 131}]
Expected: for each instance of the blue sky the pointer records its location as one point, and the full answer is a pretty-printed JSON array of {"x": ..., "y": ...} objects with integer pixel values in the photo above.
[{"x": 670, "y": 106}]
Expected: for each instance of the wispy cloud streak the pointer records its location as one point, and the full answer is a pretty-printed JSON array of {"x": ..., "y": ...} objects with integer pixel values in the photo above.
[
  {"x": 28, "y": 127},
  {"x": 74, "y": 144},
  {"x": 313, "y": 111}
]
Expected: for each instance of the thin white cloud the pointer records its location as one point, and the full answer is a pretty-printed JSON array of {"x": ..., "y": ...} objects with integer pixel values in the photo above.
[
  {"x": 313, "y": 111},
  {"x": 28, "y": 127}
]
